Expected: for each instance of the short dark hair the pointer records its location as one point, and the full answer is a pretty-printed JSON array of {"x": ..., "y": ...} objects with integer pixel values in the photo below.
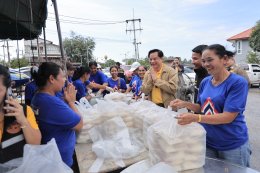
[
  {"x": 118, "y": 63},
  {"x": 113, "y": 67},
  {"x": 160, "y": 53},
  {"x": 4, "y": 73},
  {"x": 92, "y": 63},
  {"x": 46, "y": 69},
  {"x": 80, "y": 72},
  {"x": 218, "y": 49},
  {"x": 230, "y": 54},
  {"x": 69, "y": 66},
  {"x": 199, "y": 49}
]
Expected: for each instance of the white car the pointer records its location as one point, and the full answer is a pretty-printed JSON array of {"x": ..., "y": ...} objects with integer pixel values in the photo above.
[
  {"x": 253, "y": 71},
  {"x": 188, "y": 76}
]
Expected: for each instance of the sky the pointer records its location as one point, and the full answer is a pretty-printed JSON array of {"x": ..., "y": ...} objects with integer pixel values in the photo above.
[{"x": 174, "y": 26}]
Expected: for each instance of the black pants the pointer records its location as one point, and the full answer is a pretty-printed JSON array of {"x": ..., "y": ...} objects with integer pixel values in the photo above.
[{"x": 75, "y": 166}]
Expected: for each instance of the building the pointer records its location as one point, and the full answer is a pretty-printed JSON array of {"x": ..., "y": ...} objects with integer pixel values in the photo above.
[
  {"x": 241, "y": 43},
  {"x": 36, "y": 52}
]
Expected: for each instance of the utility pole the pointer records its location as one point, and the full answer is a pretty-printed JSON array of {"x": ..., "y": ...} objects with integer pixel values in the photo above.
[
  {"x": 4, "y": 50},
  {"x": 134, "y": 29},
  {"x": 8, "y": 54}
]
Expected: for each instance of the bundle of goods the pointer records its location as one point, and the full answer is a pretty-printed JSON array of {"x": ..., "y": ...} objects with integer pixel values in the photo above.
[
  {"x": 181, "y": 146},
  {"x": 117, "y": 97},
  {"x": 111, "y": 140},
  {"x": 102, "y": 111}
]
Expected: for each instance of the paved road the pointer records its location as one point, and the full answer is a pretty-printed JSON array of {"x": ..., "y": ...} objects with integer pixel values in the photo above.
[{"x": 252, "y": 114}]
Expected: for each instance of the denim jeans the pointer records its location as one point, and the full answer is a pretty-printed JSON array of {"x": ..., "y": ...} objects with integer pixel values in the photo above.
[{"x": 239, "y": 156}]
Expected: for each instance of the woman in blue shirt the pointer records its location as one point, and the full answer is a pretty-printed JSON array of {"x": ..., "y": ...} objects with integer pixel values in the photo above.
[
  {"x": 57, "y": 119},
  {"x": 222, "y": 100},
  {"x": 97, "y": 77},
  {"x": 118, "y": 84},
  {"x": 141, "y": 72},
  {"x": 81, "y": 82}
]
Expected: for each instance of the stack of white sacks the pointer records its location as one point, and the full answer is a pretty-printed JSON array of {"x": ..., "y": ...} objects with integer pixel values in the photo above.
[{"x": 182, "y": 147}]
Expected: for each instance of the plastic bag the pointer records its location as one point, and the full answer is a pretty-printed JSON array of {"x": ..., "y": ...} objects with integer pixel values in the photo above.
[
  {"x": 116, "y": 96},
  {"x": 181, "y": 146},
  {"x": 10, "y": 165},
  {"x": 111, "y": 140},
  {"x": 145, "y": 166},
  {"x": 82, "y": 105},
  {"x": 42, "y": 159}
]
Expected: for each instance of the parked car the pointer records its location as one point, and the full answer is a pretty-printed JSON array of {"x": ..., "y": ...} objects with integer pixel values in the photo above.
[
  {"x": 188, "y": 76},
  {"x": 253, "y": 71}
]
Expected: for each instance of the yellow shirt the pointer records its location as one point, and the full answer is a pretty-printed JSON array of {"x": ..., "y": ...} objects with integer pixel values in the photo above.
[
  {"x": 156, "y": 92},
  {"x": 31, "y": 119}
]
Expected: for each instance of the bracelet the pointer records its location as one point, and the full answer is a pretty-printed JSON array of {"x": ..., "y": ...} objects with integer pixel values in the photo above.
[{"x": 199, "y": 120}]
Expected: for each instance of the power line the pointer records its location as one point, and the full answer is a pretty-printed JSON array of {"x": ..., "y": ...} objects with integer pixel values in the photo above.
[
  {"x": 84, "y": 23},
  {"x": 106, "y": 21}
]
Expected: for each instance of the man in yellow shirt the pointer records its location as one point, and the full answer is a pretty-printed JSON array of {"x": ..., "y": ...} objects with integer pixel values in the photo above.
[{"x": 160, "y": 81}]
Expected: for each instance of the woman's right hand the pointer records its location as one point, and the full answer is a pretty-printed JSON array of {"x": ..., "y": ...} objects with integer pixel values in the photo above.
[
  {"x": 70, "y": 93},
  {"x": 178, "y": 104}
]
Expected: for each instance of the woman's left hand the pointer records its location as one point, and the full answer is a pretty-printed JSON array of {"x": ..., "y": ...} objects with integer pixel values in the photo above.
[
  {"x": 13, "y": 108},
  {"x": 186, "y": 118}
]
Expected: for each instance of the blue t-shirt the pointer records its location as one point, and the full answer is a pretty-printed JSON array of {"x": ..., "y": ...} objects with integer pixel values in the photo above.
[
  {"x": 133, "y": 82},
  {"x": 114, "y": 84},
  {"x": 56, "y": 120},
  {"x": 30, "y": 90},
  {"x": 229, "y": 96},
  {"x": 81, "y": 89},
  {"x": 99, "y": 78},
  {"x": 138, "y": 87}
]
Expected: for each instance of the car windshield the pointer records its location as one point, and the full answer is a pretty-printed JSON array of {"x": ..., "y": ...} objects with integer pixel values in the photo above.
[{"x": 187, "y": 70}]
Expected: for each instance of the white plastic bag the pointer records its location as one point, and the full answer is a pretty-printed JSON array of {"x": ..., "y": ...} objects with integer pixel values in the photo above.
[
  {"x": 181, "y": 146},
  {"x": 111, "y": 140},
  {"x": 42, "y": 159},
  {"x": 145, "y": 166},
  {"x": 10, "y": 165}
]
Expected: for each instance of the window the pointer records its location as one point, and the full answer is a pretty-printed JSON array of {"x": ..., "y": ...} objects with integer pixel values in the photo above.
[
  {"x": 239, "y": 47},
  {"x": 33, "y": 47},
  {"x": 256, "y": 68}
]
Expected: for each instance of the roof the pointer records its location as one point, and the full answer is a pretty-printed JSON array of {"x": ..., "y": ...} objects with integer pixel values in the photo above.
[
  {"x": 22, "y": 18},
  {"x": 241, "y": 36}
]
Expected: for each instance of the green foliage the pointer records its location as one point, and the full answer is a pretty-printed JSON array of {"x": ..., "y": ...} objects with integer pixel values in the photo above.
[
  {"x": 254, "y": 40},
  {"x": 23, "y": 62},
  {"x": 79, "y": 48},
  {"x": 109, "y": 63},
  {"x": 253, "y": 58}
]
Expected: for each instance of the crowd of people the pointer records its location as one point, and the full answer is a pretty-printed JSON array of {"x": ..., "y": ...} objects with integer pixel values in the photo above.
[{"x": 219, "y": 103}]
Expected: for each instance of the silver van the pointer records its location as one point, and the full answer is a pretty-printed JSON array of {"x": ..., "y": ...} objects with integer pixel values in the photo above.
[{"x": 253, "y": 71}]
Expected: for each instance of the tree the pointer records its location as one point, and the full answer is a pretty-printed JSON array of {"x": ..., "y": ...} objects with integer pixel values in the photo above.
[
  {"x": 79, "y": 48},
  {"x": 15, "y": 63},
  {"x": 253, "y": 58},
  {"x": 254, "y": 40},
  {"x": 109, "y": 63}
]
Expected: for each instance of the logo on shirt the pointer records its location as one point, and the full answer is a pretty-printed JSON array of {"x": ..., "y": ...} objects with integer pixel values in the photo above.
[{"x": 208, "y": 107}]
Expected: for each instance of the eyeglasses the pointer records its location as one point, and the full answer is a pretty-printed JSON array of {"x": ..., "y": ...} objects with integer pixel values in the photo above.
[{"x": 141, "y": 70}]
